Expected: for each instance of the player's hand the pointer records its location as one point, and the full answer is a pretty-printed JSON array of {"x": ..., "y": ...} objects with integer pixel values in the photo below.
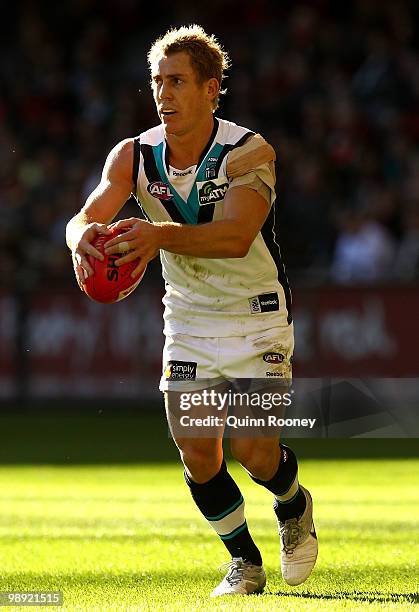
[
  {"x": 140, "y": 240},
  {"x": 83, "y": 247}
]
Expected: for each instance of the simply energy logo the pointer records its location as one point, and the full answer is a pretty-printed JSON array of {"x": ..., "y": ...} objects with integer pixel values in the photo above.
[
  {"x": 180, "y": 370},
  {"x": 212, "y": 191}
]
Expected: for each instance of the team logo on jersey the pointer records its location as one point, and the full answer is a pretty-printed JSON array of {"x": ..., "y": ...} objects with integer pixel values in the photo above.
[
  {"x": 180, "y": 370},
  {"x": 160, "y": 190},
  {"x": 267, "y": 302},
  {"x": 211, "y": 168},
  {"x": 212, "y": 191}
]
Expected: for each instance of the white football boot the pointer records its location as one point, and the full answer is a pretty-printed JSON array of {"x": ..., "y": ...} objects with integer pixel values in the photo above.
[
  {"x": 298, "y": 545},
  {"x": 242, "y": 578}
]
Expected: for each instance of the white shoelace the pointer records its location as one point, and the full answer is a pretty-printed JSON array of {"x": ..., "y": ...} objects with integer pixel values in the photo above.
[{"x": 236, "y": 569}]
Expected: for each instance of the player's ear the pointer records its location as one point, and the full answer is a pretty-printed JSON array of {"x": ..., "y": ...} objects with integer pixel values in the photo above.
[{"x": 213, "y": 88}]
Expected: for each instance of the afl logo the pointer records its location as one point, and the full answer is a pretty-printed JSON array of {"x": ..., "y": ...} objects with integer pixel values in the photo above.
[
  {"x": 160, "y": 190},
  {"x": 273, "y": 357}
]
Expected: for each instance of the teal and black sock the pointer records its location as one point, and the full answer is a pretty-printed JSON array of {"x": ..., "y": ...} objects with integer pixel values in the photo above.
[
  {"x": 222, "y": 504},
  {"x": 289, "y": 501}
]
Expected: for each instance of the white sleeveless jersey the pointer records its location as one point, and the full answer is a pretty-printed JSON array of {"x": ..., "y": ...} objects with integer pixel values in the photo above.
[{"x": 214, "y": 297}]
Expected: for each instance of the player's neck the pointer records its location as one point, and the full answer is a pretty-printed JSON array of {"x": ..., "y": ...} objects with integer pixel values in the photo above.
[{"x": 186, "y": 150}]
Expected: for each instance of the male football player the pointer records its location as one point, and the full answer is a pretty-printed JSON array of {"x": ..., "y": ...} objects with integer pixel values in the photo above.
[{"x": 207, "y": 188}]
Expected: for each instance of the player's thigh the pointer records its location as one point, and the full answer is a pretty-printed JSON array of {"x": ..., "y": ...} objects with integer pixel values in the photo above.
[
  {"x": 197, "y": 419},
  {"x": 263, "y": 443}
]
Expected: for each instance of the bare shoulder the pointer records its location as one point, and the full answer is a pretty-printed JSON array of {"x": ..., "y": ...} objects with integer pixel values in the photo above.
[
  {"x": 119, "y": 162},
  {"x": 253, "y": 153}
]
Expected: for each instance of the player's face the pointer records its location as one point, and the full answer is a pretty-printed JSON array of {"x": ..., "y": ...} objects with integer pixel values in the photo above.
[{"x": 183, "y": 103}]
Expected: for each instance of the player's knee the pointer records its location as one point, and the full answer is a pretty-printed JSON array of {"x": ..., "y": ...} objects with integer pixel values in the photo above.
[
  {"x": 203, "y": 462},
  {"x": 241, "y": 452},
  {"x": 258, "y": 460}
]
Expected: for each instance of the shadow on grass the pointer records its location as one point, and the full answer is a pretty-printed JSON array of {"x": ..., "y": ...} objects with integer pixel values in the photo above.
[{"x": 367, "y": 596}]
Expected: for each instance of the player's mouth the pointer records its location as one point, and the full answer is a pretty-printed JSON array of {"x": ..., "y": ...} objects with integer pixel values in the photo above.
[{"x": 166, "y": 113}]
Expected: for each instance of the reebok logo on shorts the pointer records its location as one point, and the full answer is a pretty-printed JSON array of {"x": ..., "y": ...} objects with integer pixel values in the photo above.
[
  {"x": 180, "y": 370},
  {"x": 267, "y": 302}
]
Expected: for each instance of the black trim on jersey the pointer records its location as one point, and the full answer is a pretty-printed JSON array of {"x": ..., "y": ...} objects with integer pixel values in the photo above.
[
  {"x": 209, "y": 143},
  {"x": 135, "y": 170},
  {"x": 206, "y": 213},
  {"x": 268, "y": 234},
  {"x": 166, "y": 159},
  {"x": 153, "y": 176},
  {"x": 204, "y": 152},
  {"x": 229, "y": 147}
]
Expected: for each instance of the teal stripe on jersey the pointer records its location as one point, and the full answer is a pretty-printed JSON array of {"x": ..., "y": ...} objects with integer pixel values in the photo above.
[
  {"x": 190, "y": 208},
  {"x": 215, "y": 152},
  {"x": 200, "y": 177},
  {"x": 233, "y": 534},
  {"x": 228, "y": 511},
  {"x": 181, "y": 205}
]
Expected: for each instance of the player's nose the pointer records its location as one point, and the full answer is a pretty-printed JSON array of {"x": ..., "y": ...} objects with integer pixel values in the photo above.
[{"x": 165, "y": 91}]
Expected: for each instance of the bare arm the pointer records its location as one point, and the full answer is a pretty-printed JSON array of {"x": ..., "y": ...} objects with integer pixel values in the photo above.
[
  {"x": 251, "y": 172},
  {"x": 244, "y": 214},
  {"x": 101, "y": 207},
  {"x": 245, "y": 211}
]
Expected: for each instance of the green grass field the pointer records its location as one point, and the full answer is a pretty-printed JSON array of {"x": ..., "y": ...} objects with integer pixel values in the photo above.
[{"x": 129, "y": 537}]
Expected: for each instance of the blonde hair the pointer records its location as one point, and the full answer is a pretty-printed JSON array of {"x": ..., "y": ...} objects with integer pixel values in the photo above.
[{"x": 208, "y": 58}]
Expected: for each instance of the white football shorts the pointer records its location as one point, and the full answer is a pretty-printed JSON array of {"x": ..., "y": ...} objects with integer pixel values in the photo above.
[{"x": 191, "y": 363}]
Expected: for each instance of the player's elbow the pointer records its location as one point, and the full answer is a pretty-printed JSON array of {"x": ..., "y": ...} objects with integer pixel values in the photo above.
[{"x": 241, "y": 247}]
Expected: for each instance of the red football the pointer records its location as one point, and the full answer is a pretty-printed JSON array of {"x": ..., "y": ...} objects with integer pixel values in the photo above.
[{"x": 110, "y": 283}]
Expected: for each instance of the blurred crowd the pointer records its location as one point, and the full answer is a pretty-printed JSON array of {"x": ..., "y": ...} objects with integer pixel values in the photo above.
[{"x": 333, "y": 86}]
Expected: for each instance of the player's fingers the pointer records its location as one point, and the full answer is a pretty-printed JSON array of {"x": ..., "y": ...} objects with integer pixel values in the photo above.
[
  {"x": 80, "y": 276},
  {"x": 100, "y": 228},
  {"x": 116, "y": 249},
  {"x": 138, "y": 270},
  {"x": 91, "y": 250},
  {"x": 123, "y": 246},
  {"x": 127, "y": 258},
  {"x": 85, "y": 266},
  {"x": 78, "y": 271},
  {"x": 123, "y": 223},
  {"x": 125, "y": 237}
]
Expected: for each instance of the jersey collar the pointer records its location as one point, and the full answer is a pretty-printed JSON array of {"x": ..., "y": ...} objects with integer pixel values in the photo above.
[{"x": 204, "y": 152}]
